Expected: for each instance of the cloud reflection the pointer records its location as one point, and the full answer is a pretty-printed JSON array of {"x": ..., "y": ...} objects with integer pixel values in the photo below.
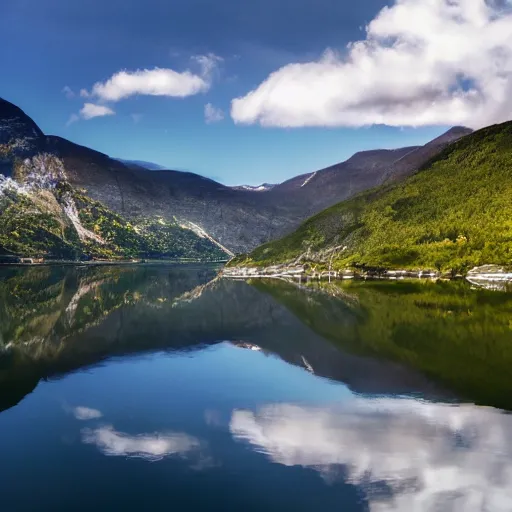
[
  {"x": 407, "y": 455},
  {"x": 151, "y": 447}
]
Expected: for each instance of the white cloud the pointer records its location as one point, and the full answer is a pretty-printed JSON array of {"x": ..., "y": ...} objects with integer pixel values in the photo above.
[
  {"x": 90, "y": 110},
  {"x": 212, "y": 114},
  {"x": 157, "y": 82},
  {"x": 68, "y": 92},
  {"x": 84, "y": 93},
  {"x": 147, "y": 446},
  {"x": 430, "y": 456},
  {"x": 423, "y": 62},
  {"x": 85, "y": 413},
  {"x": 154, "y": 82}
]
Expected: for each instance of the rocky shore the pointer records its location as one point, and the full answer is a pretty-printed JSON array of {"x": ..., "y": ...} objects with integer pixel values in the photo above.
[
  {"x": 303, "y": 271},
  {"x": 488, "y": 276},
  {"x": 492, "y": 277}
]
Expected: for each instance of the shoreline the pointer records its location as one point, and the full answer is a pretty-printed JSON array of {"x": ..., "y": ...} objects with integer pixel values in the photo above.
[
  {"x": 299, "y": 271},
  {"x": 494, "y": 277},
  {"x": 110, "y": 263}
]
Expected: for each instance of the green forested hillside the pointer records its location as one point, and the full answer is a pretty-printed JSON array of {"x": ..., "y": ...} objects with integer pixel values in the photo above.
[
  {"x": 455, "y": 213},
  {"x": 63, "y": 223}
]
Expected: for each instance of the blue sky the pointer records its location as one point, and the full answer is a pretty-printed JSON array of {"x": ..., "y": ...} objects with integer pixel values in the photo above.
[{"x": 46, "y": 45}]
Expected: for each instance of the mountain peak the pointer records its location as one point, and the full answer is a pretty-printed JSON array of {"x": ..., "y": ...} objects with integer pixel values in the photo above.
[
  {"x": 453, "y": 134},
  {"x": 413, "y": 160},
  {"x": 19, "y": 134}
]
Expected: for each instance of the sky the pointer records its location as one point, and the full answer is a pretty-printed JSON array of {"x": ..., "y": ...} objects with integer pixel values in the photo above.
[{"x": 251, "y": 92}]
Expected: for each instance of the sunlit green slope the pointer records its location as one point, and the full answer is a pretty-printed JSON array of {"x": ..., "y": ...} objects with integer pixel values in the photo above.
[{"x": 453, "y": 214}]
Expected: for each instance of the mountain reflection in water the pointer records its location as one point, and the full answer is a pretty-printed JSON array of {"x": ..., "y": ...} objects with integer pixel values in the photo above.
[
  {"x": 341, "y": 396},
  {"x": 59, "y": 319}
]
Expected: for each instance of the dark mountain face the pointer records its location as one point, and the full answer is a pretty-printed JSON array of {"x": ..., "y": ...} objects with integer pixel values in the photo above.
[
  {"x": 324, "y": 188},
  {"x": 238, "y": 218},
  {"x": 19, "y": 135}
]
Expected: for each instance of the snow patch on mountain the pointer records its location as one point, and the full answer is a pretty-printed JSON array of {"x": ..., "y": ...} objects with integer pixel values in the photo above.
[{"x": 308, "y": 179}]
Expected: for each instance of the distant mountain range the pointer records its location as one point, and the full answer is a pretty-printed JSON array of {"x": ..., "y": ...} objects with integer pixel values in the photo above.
[{"x": 113, "y": 193}]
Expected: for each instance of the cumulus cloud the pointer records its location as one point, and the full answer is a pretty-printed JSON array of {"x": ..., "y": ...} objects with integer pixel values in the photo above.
[
  {"x": 86, "y": 413},
  {"x": 157, "y": 82},
  {"x": 90, "y": 110},
  {"x": 151, "y": 82},
  {"x": 423, "y": 62},
  {"x": 429, "y": 456},
  {"x": 147, "y": 446},
  {"x": 212, "y": 114}
]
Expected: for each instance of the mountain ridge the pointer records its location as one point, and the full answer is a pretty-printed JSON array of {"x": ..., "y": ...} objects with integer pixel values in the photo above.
[
  {"x": 451, "y": 215},
  {"x": 238, "y": 219},
  {"x": 138, "y": 164}
]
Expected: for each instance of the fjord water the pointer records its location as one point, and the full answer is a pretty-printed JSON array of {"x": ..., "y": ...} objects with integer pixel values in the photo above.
[{"x": 168, "y": 388}]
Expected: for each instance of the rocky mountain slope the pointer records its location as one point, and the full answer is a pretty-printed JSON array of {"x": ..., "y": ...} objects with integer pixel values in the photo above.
[
  {"x": 452, "y": 215},
  {"x": 239, "y": 219},
  {"x": 43, "y": 215}
]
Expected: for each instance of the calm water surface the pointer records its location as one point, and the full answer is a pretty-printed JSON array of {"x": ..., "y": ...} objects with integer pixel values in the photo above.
[{"x": 167, "y": 388}]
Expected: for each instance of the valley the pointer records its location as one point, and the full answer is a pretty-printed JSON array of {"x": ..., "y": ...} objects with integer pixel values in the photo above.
[
  {"x": 130, "y": 207},
  {"x": 256, "y": 256}
]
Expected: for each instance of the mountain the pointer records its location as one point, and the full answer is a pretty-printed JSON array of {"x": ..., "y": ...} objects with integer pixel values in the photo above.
[
  {"x": 43, "y": 215},
  {"x": 141, "y": 164},
  {"x": 453, "y": 214},
  {"x": 51, "y": 219},
  {"x": 323, "y": 188},
  {"x": 411, "y": 161},
  {"x": 20, "y": 137},
  {"x": 236, "y": 219}
]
